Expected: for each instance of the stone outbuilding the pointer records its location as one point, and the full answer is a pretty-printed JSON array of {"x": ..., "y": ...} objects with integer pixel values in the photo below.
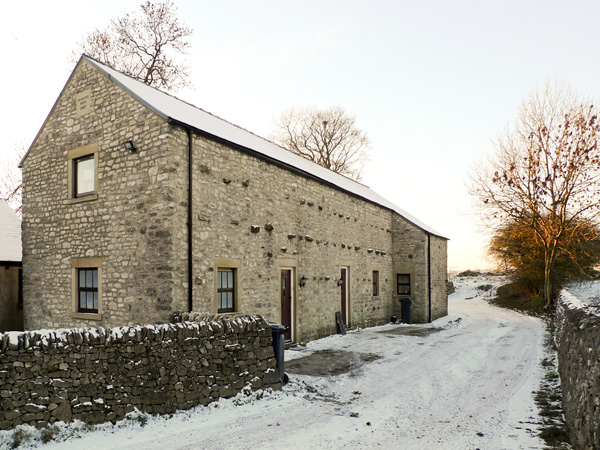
[
  {"x": 137, "y": 204},
  {"x": 11, "y": 295}
]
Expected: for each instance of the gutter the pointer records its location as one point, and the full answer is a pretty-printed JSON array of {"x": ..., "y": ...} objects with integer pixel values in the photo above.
[
  {"x": 190, "y": 262},
  {"x": 429, "y": 272},
  {"x": 11, "y": 263}
]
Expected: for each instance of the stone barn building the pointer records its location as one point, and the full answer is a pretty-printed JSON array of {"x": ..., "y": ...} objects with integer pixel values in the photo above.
[{"x": 137, "y": 204}]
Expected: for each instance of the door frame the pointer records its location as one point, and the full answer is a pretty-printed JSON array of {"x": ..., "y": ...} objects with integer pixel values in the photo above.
[
  {"x": 345, "y": 312},
  {"x": 292, "y": 299}
]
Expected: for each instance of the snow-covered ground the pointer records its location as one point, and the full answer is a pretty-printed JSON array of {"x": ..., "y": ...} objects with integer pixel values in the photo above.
[{"x": 465, "y": 385}]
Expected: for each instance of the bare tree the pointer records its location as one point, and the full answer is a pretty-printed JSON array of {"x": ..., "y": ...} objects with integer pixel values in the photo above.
[
  {"x": 544, "y": 174},
  {"x": 143, "y": 46},
  {"x": 328, "y": 137},
  {"x": 11, "y": 183}
]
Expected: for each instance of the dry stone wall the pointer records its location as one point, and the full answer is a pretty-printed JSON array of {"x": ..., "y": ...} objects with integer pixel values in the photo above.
[
  {"x": 99, "y": 375},
  {"x": 578, "y": 345}
]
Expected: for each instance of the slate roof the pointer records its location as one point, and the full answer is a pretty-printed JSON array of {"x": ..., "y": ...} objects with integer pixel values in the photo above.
[
  {"x": 172, "y": 108},
  {"x": 10, "y": 234}
]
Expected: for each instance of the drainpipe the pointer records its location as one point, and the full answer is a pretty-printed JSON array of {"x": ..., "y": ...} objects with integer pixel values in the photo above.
[
  {"x": 429, "y": 271},
  {"x": 189, "y": 224}
]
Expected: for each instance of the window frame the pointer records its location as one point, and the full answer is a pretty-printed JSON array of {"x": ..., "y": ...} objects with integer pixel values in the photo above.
[
  {"x": 233, "y": 265},
  {"x": 408, "y": 285},
  {"x": 76, "y": 175},
  {"x": 376, "y": 283},
  {"x": 74, "y": 157},
  {"x": 78, "y": 264},
  {"x": 221, "y": 291},
  {"x": 87, "y": 289}
]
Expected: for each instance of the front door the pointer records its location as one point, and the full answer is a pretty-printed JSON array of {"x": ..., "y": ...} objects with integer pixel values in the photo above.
[
  {"x": 286, "y": 302},
  {"x": 344, "y": 279}
]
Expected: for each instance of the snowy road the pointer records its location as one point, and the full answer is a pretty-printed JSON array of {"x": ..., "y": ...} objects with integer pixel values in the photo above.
[{"x": 464, "y": 387}]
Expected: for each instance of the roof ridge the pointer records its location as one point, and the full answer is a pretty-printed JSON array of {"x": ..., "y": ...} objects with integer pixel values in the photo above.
[{"x": 216, "y": 116}]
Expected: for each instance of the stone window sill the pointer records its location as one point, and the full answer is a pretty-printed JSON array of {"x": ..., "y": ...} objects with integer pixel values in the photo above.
[
  {"x": 86, "y": 316},
  {"x": 87, "y": 198}
]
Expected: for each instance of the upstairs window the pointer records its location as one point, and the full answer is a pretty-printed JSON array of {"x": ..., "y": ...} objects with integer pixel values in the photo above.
[
  {"x": 403, "y": 282},
  {"x": 84, "y": 175},
  {"x": 226, "y": 290}
]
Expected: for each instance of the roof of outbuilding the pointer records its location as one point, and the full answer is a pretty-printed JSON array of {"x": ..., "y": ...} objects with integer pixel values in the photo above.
[
  {"x": 10, "y": 234},
  {"x": 172, "y": 108}
]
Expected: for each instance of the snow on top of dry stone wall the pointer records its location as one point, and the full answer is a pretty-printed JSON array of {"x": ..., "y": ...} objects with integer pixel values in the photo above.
[
  {"x": 586, "y": 293},
  {"x": 208, "y": 326},
  {"x": 582, "y": 301}
]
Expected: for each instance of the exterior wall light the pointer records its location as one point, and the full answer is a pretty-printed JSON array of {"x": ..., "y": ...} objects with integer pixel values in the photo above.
[
  {"x": 340, "y": 281},
  {"x": 129, "y": 146},
  {"x": 302, "y": 282}
]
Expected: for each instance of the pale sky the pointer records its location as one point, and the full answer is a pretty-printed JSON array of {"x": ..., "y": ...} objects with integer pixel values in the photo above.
[{"x": 431, "y": 82}]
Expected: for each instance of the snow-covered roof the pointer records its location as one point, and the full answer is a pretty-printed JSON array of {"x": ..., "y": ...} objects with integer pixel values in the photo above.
[
  {"x": 10, "y": 234},
  {"x": 177, "y": 110}
]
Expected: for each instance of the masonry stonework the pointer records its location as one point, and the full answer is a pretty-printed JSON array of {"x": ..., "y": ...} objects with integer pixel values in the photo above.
[
  {"x": 131, "y": 226},
  {"x": 252, "y": 214},
  {"x": 578, "y": 348},
  {"x": 299, "y": 223},
  {"x": 100, "y": 375}
]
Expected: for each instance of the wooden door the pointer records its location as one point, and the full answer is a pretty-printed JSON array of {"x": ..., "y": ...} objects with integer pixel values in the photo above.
[
  {"x": 344, "y": 295},
  {"x": 286, "y": 302}
]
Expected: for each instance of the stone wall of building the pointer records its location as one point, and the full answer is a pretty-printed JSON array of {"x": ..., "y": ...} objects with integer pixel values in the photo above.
[
  {"x": 129, "y": 226},
  {"x": 99, "y": 375},
  {"x": 420, "y": 255},
  {"x": 439, "y": 277},
  {"x": 578, "y": 346},
  {"x": 248, "y": 213},
  {"x": 264, "y": 218}
]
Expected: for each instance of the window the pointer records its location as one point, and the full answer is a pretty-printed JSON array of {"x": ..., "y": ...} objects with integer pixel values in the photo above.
[
  {"x": 86, "y": 300},
  {"x": 82, "y": 173},
  {"x": 225, "y": 290},
  {"x": 375, "y": 283},
  {"x": 87, "y": 290},
  {"x": 403, "y": 284}
]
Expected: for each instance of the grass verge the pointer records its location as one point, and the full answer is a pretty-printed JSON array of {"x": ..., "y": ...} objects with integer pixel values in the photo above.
[
  {"x": 512, "y": 296},
  {"x": 548, "y": 397}
]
